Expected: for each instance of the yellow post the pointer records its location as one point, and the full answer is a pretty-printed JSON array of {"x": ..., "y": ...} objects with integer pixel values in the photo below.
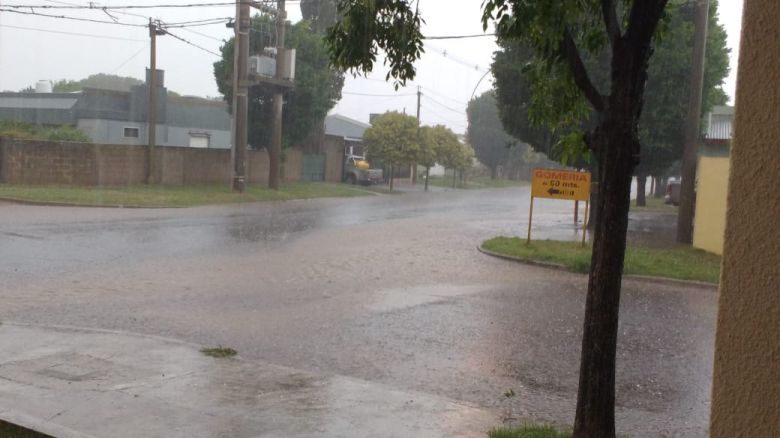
[
  {"x": 585, "y": 223},
  {"x": 530, "y": 218}
]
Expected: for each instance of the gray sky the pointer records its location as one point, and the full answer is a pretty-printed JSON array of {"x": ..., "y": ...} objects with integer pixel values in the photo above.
[{"x": 447, "y": 74}]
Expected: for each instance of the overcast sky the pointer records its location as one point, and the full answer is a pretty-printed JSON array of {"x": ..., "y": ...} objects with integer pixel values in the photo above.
[{"x": 448, "y": 73}]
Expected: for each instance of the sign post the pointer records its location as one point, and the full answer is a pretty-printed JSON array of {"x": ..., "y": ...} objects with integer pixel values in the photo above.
[{"x": 560, "y": 184}]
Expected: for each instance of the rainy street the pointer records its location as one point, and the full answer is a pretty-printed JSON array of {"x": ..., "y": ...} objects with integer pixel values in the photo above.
[{"x": 387, "y": 289}]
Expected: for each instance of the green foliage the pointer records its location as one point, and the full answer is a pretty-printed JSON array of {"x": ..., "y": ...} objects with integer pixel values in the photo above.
[
  {"x": 367, "y": 27},
  {"x": 29, "y": 131},
  {"x": 317, "y": 85},
  {"x": 529, "y": 99},
  {"x": 101, "y": 80},
  {"x": 486, "y": 134},
  {"x": 393, "y": 138},
  {"x": 219, "y": 352},
  {"x": 528, "y": 431},
  {"x": 662, "y": 124},
  {"x": 320, "y": 13},
  {"x": 438, "y": 144}
]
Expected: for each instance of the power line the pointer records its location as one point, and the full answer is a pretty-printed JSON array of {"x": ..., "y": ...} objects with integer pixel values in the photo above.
[
  {"x": 71, "y": 33},
  {"x": 443, "y": 96},
  {"x": 64, "y": 17},
  {"x": 129, "y": 59},
  {"x": 204, "y": 35},
  {"x": 193, "y": 44},
  {"x": 378, "y": 95},
  {"x": 457, "y": 37},
  {"x": 459, "y": 111}
]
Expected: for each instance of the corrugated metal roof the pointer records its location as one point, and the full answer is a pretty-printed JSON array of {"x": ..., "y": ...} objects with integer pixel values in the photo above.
[
  {"x": 341, "y": 126},
  {"x": 719, "y": 123}
]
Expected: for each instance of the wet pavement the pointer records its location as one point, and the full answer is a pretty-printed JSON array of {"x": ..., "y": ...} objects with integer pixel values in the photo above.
[{"x": 386, "y": 290}]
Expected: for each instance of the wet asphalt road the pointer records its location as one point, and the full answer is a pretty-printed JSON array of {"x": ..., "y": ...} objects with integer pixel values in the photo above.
[{"x": 388, "y": 289}]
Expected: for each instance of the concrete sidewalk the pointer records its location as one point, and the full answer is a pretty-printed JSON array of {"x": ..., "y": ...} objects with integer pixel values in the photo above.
[{"x": 70, "y": 382}]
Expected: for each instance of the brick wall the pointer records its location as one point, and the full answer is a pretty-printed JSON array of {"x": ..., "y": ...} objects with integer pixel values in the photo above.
[{"x": 70, "y": 163}]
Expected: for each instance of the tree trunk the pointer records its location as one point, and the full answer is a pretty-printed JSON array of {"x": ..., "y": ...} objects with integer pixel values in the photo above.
[
  {"x": 392, "y": 176},
  {"x": 454, "y": 177},
  {"x": 595, "y": 416},
  {"x": 494, "y": 172},
  {"x": 594, "y": 195},
  {"x": 652, "y": 185},
  {"x": 660, "y": 187},
  {"x": 427, "y": 177},
  {"x": 641, "y": 185}
]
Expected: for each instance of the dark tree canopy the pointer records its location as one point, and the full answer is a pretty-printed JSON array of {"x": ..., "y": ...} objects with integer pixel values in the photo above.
[
  {"x": 317, "y": 84},
  {"x": 320, "y": 13},
  {"x": 486, "y": 134}
]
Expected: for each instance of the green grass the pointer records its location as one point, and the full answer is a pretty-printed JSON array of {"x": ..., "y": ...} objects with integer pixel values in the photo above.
[
  {"x": 219, "y": 351},
  {"x": 653, "y": 204},
  {"x": 528, "y": 431},
  {"x": 478, "y": 182},
  {"x": 10, "y": 430},
  {"x": 174, "y": 196},
  {"x": 683, "y": 263}
]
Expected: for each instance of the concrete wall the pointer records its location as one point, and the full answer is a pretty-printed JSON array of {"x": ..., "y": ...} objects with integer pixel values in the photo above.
[
  {"x": 746, "y": 375},
  {"x": 333, "y": 148},
  {"x": 40, "y": 162},
  {"x": 710, "y": 223}
]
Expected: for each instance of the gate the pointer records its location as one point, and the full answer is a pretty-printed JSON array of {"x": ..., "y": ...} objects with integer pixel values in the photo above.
[{"x": 313, "y": 168}]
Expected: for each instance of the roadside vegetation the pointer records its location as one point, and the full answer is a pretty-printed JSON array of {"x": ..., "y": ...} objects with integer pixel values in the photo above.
[
  {"x": 219, "y": 352},
  {"x": 174, "y": 196},
  {"x": 528, "y": 431},
  {"x": 476, "y": 182},
  {"x": 682, "y": 262},
  {"x": 654, "y": 204},
  {"x": 29, "y": 131}
]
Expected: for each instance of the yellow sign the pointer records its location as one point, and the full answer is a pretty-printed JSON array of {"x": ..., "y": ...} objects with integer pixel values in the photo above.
[{"x": 560, "y": 184}]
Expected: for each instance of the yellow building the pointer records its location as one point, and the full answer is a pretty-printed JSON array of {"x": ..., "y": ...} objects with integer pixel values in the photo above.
[{"x": 712, "y": 182}]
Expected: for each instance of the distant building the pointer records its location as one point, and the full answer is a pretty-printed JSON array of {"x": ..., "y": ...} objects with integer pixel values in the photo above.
[
  {"x": 120, "y": 117},
  {"x": 350, "y": 130}
]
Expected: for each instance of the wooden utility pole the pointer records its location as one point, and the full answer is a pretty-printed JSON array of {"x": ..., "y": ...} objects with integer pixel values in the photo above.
[
  {"x": 692, "y": 130},
  {"x": 151, "y": 112},
  {"x": 275, "y": 152},
  {"x": 413, "y": 169},
  {"x": 240, "y": 95}
]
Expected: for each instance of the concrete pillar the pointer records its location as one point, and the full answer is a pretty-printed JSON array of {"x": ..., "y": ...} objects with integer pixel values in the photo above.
[{"x": 746, "y": 380}]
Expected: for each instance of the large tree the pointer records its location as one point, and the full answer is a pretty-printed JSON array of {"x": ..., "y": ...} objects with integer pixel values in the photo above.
[
  {"x": 317, "y": 84},
  {"x": 394, "y": 139},
  {"x": 661, "y": 125},
  {"x": 486, "y": 134},
  {"x": 560, "y": 33}
]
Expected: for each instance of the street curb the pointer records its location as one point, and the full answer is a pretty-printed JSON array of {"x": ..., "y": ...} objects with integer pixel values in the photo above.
[
  {"x": 69, "y": 204},
  {"x": 647, "y": 278},
  {"x": 39, "y": 425}
]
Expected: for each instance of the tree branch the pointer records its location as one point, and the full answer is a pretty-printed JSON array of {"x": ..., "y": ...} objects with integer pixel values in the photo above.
[
  {"x": 580, "y": 74},
  {"x": 643, "y": 19},
  {"x": 611, "y": 21}
]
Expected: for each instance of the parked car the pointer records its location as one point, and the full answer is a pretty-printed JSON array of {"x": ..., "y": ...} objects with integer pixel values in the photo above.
[
  {"x": 358, "y": 171},
  {"x": 672, "y": 192}
]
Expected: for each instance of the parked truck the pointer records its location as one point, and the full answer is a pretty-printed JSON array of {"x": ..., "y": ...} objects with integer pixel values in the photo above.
[{"x": 357, "y": 170}]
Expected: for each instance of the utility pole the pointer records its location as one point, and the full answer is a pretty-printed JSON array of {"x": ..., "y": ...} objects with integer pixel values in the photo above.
[
  {"x": 240, "y": 94},
  {"x": 275, "y": 152},
  {"x": 151, "y": 112},
  {"x": 692, "y": 130},
  {"x": 414, "y": 165}
]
